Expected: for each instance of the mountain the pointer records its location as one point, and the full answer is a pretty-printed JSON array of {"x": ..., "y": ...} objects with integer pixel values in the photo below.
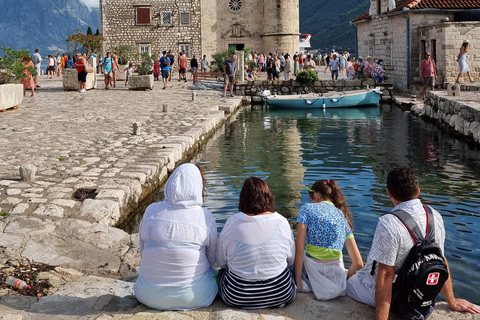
[
  {"x": 329, "y": 22},
  {"x": 44, "y": 24}
]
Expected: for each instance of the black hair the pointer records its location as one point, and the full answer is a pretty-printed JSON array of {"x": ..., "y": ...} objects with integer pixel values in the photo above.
[{"x": 402, "y": 184}]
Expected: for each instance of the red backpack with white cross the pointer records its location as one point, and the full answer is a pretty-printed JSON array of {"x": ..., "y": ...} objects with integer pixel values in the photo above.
[{"x": 424, "y": 272}]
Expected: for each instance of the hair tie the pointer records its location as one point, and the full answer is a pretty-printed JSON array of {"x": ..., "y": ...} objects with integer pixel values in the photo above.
[
  {"x": 309, "y": 189},
  {"x": 328, "y": 181}
]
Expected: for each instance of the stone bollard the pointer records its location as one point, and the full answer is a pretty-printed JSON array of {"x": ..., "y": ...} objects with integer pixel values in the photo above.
[
  {"x": 27, "y": 172},
  {"x": 136, "y": 128},
  {"x": 453, "y": 89},
  {"x": 194, "y": 95},
  {"x": 165, "y": 107}
]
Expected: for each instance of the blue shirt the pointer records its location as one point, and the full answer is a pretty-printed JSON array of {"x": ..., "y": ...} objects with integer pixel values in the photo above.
[
  {"x": 107, "y": 64},
  {"x": 167, "y": 67},
  {"x": 69, "y": 63},
  {"x": 327, "y": 226}
]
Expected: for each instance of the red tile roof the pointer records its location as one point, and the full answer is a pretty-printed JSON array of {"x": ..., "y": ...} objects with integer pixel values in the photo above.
[
  {"x": 437, "y": 4},
  {"x": 365, "y": 16}
]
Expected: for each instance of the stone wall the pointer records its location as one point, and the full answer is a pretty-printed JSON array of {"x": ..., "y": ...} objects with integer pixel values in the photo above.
[
  {"x": 449, "y": 37},
  {"x": 119, "y": 25},
  {"x": 384, "y": 36},
  {"x": 459, "y": 114},
  {"x": 253, "y": 88}
]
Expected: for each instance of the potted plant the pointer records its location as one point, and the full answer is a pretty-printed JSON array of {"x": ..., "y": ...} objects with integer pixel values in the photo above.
[
  {"x": 124, "y": 55},
  {"x": 144, "y": 78},
  {"x": 90, "y": 44},
  {"x": 11, "y": 74}
]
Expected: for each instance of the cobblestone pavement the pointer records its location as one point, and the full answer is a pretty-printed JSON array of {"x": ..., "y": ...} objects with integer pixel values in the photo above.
[{"x": 85, "y": 140}]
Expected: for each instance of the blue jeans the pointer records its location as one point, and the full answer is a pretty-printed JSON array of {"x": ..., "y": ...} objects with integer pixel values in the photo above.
[{"x": 334, "y": 74}]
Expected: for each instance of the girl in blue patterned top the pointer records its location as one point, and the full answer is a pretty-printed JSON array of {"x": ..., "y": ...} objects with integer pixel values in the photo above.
[{"x": 325, "y": 225}]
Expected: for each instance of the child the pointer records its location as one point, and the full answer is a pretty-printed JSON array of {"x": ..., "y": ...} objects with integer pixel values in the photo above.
[
  {"x": 129, "y": 71},
  {"x": 325, "y": 225}
]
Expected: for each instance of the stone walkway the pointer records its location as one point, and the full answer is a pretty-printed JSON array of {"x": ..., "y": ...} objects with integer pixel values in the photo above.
[{"x": 85, "y": 141}]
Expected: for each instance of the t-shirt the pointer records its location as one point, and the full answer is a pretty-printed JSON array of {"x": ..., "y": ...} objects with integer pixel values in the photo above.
[
  {"x": 107, "y": 64},
  {"x": 167, "y": 68},
  {"x": 270, "y": 65},
  {"x": 309, "y": 64},
  {"x": 256, "y": 247},
  {"x": 427, "y": 68},
  {"x": 182, "y": 62},
  {"x": 36, "y": 58},
  {"x": 204, "y": 63},
  {"x": 194, "y": 63},
  {"x": 51, "y": 62},
  {"x": 172, "y": 59},
  {"x": 334, "y": 64},
  {"x": 230, "y": 66},
  {"x": 327, "y": 229},
  {"x": 392, "y": 242}
]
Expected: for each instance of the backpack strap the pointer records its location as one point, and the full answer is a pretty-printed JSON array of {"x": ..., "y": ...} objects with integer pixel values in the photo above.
[{"x": 413, "y": 228}]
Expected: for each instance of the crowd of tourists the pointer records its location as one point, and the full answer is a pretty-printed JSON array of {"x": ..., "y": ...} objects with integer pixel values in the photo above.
[{"x": 262, "y": 265}]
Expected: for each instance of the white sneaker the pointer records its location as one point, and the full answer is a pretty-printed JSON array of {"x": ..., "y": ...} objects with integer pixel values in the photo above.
[{"x": 83, "y": 90}]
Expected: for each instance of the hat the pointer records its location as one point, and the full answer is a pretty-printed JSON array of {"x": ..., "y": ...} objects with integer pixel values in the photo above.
[
  {"x": 360, "y": 58},
  {"x": 368, "y": 57},
  {"x": 466, "y": 41},
  {"x": 428, "y": 53}
]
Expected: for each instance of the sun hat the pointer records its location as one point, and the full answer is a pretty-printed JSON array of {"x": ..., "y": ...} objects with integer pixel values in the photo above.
[
  {"x": 360, "y": 58},
  {"x": 466, "y": 41}
]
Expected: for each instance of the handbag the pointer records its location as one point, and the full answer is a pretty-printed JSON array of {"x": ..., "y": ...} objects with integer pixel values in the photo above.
[{"x": 88, "y": 68}]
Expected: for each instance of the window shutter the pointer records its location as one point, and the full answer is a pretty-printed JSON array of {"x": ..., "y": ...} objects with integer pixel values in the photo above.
[{"x": 143, "y": 15}]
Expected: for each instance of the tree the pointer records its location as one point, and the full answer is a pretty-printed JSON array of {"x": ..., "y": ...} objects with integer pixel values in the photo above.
[
  {"x": 97, "y": 33},
  {"x": 11, "y": 66},
  {"x": 124, "y": 53},
  {"x": 84, "y": 42},
  {"x": 89, "y": 31}
]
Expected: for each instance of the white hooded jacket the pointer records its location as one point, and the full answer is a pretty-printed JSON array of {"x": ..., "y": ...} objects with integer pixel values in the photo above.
[{"x": 178, "y": 238}]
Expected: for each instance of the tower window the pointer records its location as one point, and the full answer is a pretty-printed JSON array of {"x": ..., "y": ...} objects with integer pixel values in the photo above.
[
  {"x": 166, "y": 18},
  {"x": 184, "y": 18},
  {"x": 235, "y": 5}
]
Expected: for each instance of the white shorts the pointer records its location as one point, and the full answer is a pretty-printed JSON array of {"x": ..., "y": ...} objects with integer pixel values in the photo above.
[{"x": 359, "y": 291}]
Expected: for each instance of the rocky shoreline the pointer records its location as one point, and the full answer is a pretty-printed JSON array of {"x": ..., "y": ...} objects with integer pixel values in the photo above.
[{"x": 86, "y": 141}]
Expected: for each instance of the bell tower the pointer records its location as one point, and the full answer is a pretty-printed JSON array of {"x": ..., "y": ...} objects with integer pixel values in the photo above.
[{"x": 281, "y": 26}]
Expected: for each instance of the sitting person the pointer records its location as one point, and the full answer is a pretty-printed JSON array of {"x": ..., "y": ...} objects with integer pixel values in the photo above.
[
  {"x": 326, "y": 225},
  {"x": 255, "y": 250},
  {"x": 178, "y": 241},
  {"x": 373, "y": 285},
  {"x": 247, "y": 75}
]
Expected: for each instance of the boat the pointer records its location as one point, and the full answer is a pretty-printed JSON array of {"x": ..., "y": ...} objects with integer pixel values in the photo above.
[
  {"x": 332, "y": 99},
  {"x": 304, "y": 42}
]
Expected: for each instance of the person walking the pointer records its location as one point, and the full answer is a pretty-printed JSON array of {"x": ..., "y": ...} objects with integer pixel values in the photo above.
[
  {"x": 287, "y": 68},
  {"x": 428, "y": 71},
  {"x": 156, "y": 67},
  {"x": 194, "y": 68},
  {"x": 182, "y": 65},
  {"x": 172, "y": 63},
  {"x": 229, "y": 71},
  {"x": 165, "y": 65},
  {"x": 51, "y": 66},
  {"x": 27, "y": 78},
  {"x": 107, "y": 69},
  {"x": 37, "y": 63},
  {"x": 334, "y": 65},
  {"x": 204, "y": 64},
  {"x": 462, "y": 62}
]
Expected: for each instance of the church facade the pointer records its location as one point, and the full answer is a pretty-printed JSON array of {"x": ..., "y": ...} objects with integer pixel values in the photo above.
[{"x": 200, "y": 26}]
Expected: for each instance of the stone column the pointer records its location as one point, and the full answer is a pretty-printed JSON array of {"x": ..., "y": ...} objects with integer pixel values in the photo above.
[{"x": 240, "y": 65}]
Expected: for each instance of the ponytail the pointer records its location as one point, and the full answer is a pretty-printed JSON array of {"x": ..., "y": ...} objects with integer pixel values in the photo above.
[{"x": 330, "y": 189}]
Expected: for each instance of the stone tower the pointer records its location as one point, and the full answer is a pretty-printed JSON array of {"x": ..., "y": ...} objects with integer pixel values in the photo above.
[{"x": 280, "y": 25}]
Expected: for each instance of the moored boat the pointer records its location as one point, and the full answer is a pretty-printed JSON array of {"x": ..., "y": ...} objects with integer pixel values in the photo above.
[{"x": 332, "y": 99}]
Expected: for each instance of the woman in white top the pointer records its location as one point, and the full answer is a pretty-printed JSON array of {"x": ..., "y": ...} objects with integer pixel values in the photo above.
[
  {"x": 255, "y": 250},
  {"x": 462, "y": 61},
  {"x": 178, "y": 241}
]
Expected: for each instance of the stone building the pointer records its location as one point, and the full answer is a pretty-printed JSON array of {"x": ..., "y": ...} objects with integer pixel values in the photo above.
[
  {"x": 200, "y": 26},
  {"x": 401, "y": 31}
]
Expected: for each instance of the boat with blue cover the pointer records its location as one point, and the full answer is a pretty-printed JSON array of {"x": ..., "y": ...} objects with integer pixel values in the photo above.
[{"x": 332, "y": 99}]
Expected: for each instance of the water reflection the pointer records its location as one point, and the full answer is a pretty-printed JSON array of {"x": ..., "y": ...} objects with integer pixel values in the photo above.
[{"x": 357, "y": 147}]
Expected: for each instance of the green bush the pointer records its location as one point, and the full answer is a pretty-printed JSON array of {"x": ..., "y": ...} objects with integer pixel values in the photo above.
[
  {"x": 145, "y": 66},
  {"x": 219, "y": 59},
  {"x": 307, "y": 77},
  {"x": 124, "y": 53},
  {"x": 12, "y": 67}
]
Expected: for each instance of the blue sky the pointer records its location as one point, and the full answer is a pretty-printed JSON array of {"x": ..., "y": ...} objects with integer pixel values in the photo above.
[{"x": 91, "y": 3}]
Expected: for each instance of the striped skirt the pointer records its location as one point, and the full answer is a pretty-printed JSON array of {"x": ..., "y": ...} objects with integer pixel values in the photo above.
[{"x": 237, "y": 292}]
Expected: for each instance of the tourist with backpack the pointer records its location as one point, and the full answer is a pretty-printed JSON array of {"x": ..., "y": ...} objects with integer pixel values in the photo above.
[
  {"x": 408, "y": 246},
  {"x": 165, "y": 67}
]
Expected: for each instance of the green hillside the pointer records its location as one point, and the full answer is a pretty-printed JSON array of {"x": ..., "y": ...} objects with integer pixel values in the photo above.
[{"x": 329, "y": 22}]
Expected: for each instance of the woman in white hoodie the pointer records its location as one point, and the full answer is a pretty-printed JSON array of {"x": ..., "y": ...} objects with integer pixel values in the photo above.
[{"x": 178, "y": 240}]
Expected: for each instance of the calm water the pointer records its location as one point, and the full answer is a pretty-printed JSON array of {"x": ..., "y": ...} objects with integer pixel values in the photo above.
[{"x": 356, "y": 147}]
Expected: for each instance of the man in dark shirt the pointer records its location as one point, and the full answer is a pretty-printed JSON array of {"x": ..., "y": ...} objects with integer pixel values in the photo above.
[
  {"x": 229, "y": 70},
  {"x": 172, "y": 62},
  {"x": 270, "y": 67}
]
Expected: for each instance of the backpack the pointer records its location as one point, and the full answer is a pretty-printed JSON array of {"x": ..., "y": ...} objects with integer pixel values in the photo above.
[
  {"x": 423, "y": 274},
  {"x": 164, "y": 62}
]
